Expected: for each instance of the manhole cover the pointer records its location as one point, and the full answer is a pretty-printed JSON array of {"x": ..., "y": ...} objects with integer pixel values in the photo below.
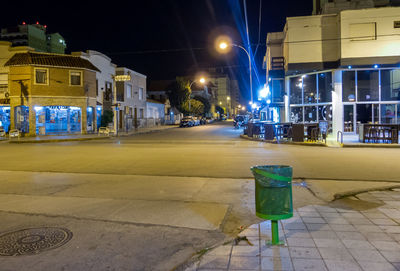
[{"x": 33, "y": 241}]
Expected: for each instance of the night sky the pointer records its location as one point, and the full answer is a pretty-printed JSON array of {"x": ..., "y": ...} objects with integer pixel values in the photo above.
[{"x": 160, "y": 38}]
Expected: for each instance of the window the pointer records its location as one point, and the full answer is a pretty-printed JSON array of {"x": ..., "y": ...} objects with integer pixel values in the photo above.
[
  {"x": 75, "y": 78},
  {"x": 310, "y": 114},
  {"x": 349, "y": 86},
  {"x": 309, "y": 88},
  {"x": 129, "y": 91},
  {"x": 41, "y": 76},
  {"x": 390, "y": 85},
  {"x": 325, "y": 87},
  {"x": 141, "y": 113},
  {"x": 296, "y": 114},
  {"x": 296, "y": 87},
  {"x": 367, "y": 86},
  {"x": 97, "y": 87},
  {"x": 388, "y": 113},
  {"x": 362, "y": 31},
  {"x": 278, "y": 90},
  {"x": 140, "y": 93}
]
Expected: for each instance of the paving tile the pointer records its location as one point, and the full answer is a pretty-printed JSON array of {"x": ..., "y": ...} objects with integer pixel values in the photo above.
[
  {"x": 342, "y": 227},
  {"x": 318, "y": 227},
  {"x": 247, "y": 263},
  {"x": 383, "y": 222},
  {"x": 275, "y": 252},
  {"x": 220, "y": 251},
  {"x": 381, "y": 236},
  {"x": 304, "y": 252},
  {"x": 292, "y": 220},
  {"x": 246, "y": 251},
  {"x": 359, "y": 221},
  {"x": 390, "y": 212},
  {"x": 249, "y": 232},
  {"x": 366, "y": 255},
  {"x": 307, "y": 219},
  {"x": 390, "y": 229},
  {"x": 359, "y": 244},
  {"x": 309, "y": 264},
  {"x": 294, "y": 226},
  {"x": 397, "y": 265},
  {"x": 325, "y": 215},
  {"x": 374, "y": 266},
  {"x": 353, "y": 215},
  {"x": 386, "y": 245},
  {"x": 375, "y": 215},
  {"x": 393, "y": 203},
  {"x": 337, "y": 220},
  {"x": 325, "y": 209},
  {"x": 329, "y": 243},
  {"x": 390, "y": 255},
  {"x": 306, "y": 209},
  {"x": 395, "y": 236},
  {"x": 335, "y": 265},
  {"x": 348, "y": 235},
  {"x": 300, "y": 242},
  {"x": 213, "y": 262},
  {"x": 309, "y": 214},
  {"x": 323, "y": 234},
  {"x": 368, "y": 228},
  {"x": 254, "y": 241},
  {"x": 341, "y": 211},
  {"x": 338, "y": 254},
  {"x": 297, "y": 234},
  {"x": 272, "y": 264}
]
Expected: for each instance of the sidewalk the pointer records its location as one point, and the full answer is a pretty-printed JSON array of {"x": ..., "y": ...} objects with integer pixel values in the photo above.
[
  {"x": 80, "y": 137},
  {"x": 318, "y": 237}
]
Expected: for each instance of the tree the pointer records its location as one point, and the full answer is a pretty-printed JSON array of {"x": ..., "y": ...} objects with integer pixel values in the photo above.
[
  {"x": 178, "y": 94},
  {"x": 107, "y": 117},
  {"x": 205, "y": 102}
]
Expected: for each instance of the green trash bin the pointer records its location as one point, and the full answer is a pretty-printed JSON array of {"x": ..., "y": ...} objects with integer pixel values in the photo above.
[{"x": 273, "y": 195}]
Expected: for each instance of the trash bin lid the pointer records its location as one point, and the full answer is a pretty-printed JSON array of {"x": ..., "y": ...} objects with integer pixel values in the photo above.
[{"x": 266, "y": 171}]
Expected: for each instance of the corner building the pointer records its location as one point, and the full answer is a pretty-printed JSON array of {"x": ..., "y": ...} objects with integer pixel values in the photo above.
[{"x": 51, "y": 94}]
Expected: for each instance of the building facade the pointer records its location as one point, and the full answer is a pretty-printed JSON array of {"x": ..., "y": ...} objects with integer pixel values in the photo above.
[
  {"x": 34, "y": 36},
  {"x": 51, "y": 94},
  {"x": 131, "y": 97},
  {"x": 106, "y": 97},
  {"x": 343, "y": 68}
]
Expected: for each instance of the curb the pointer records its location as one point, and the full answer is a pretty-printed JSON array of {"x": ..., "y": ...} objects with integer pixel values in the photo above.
[
  {"x": 285, "y": 142},
  {"x": 351, "y": 193},
  {"x": 57, "y": 140}
]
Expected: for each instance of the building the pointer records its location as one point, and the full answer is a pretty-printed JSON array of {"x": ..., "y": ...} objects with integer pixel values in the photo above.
[
  {"x": 51, "y": 93},
  {"x": 34, "y": 36},
  {"x": 6, "y": 52},
  {"x": 343, "y": 68},
  {"x": 155, "y": 113},
  {"x": 131, "y": 97},
  {"x": 335, "y": 6},
  {"x": 224, "y": 90},
  {"x": 106, "y": 96}
]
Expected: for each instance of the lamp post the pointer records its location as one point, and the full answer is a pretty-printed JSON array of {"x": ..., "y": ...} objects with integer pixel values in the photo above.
[
  {"x": 223, "y": 46},
  {"x": 228, "y": 108},
  {"x": 202, "y": 80}
]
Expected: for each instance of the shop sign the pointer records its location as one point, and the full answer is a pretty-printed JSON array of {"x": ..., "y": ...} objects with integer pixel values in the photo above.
[
  {"x": 57, "y": 107},
  {"x": 124, "y": 77},
  {"x": 4, "y": 101}
]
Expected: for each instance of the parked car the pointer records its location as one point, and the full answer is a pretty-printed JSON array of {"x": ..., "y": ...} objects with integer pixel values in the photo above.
[
  {"x": 203, "y": 120},
  {"x": 104, "y": 131},
  {"x": 187, "y": 122},
  {"x": 2, "y": 132},
  {"x": 14, "y": 133},
  {"x": 196, "y": 121}
]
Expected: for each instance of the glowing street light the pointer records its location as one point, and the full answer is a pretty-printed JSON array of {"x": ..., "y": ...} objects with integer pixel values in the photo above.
[{"x": 223, "y": 45}]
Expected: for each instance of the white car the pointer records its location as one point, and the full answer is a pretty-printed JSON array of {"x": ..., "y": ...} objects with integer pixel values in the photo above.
[{"x": 14, "y": 133}]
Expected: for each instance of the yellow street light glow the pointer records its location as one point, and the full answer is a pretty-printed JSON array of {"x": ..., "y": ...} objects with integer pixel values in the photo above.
[
  {"x": 228, "y": 98},
  {"x": 223, "y": 45},
  {"x": 202, "y": 80}
]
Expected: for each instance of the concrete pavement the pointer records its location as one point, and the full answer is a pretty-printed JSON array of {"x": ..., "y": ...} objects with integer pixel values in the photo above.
[{"x": 358, "y": 233}]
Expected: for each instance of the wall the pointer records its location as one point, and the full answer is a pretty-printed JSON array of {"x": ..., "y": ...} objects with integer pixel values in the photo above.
[{"x": 387, "y": 42}]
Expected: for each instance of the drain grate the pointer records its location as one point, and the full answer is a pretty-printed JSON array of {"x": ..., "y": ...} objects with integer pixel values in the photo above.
[{"x": 33, "y": 241}]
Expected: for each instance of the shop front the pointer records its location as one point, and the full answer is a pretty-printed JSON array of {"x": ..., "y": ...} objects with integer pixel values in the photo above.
[
  {"x": 58, "y": 120},
  {"x": 5, "y": 118}
]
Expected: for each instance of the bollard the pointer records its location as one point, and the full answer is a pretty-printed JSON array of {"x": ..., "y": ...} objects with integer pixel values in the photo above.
[{"x": 273, "y": 195}]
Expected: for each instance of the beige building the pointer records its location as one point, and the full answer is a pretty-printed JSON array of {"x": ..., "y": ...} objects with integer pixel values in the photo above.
[{"x": 51, "y": 93}]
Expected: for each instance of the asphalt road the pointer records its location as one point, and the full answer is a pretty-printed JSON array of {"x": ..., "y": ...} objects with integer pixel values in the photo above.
[{"x": 149, "y": 202}]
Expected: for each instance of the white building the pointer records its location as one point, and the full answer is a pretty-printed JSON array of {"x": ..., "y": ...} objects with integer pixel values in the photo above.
[
  {"x": 131, "y": 95},
  {"x": 343, "y": 68},
  {"x": 106, "y": 95},
  {"x": 155, "y": 113}
]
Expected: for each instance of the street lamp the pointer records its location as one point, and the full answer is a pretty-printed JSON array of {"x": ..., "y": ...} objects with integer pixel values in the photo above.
[
  {"x": 228, "y": 108},
  {"x": 202, "y": 80},
  {"x": 223, "y": 45}
]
